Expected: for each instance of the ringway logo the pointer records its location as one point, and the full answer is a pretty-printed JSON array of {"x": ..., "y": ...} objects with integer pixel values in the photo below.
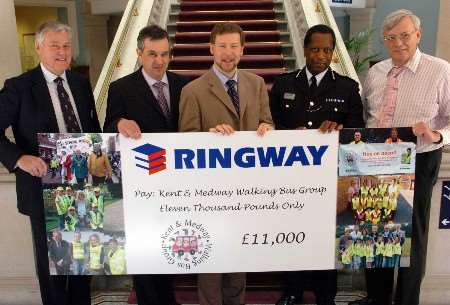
[{"x": 151, "y": 158}]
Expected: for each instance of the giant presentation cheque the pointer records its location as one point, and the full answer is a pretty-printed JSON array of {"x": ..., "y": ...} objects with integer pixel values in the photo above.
[
  {"x": 207, "y": 203},
  {"x": 211, "y": 203}
]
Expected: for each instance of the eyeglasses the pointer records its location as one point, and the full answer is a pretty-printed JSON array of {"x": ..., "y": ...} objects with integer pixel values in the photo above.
[{"x": 405, "y": 36}]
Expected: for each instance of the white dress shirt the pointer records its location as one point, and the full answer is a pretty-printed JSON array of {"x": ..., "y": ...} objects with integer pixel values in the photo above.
[
  {"x": 319, "y": 76},
  {"x": 49, "y": 78}
]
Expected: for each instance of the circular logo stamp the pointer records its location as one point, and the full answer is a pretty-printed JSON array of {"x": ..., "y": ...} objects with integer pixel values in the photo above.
[{"x": 186, "y": 243}]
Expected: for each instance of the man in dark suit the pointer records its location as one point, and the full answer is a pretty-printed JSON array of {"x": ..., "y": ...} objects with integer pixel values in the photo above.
[
  {"x": 315, "y": 97},
  {"x": 49, "y": 98},
  {"x": 135, "y": 102},
  {"x": 147, "y": 101},
  {"x": 59, "y": 252}
]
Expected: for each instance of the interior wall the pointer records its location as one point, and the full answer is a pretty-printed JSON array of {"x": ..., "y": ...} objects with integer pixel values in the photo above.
[
  {"x": 428, "y": 12},
  {"x": 27, "y": 20}
]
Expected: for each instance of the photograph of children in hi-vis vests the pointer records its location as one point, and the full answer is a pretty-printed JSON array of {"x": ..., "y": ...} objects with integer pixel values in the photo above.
[{"x": 83, "y": 204}]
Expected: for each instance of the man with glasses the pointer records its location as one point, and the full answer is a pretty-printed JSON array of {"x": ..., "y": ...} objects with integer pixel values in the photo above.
[
  {"x": 315, "y": 97},
  {"x": 410, "y": 89}
]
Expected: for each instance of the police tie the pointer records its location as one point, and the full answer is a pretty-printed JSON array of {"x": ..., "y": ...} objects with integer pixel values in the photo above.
[
  {"x": 231, "y": 83},
  {"x": 69, "y": 116},
  {"x": 162, "y": 101},
  {"x": 313, "y": 86}
]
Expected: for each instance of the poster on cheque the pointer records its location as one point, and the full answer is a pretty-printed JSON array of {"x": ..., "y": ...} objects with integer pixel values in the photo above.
[
  {"x": 202, "y": 202},
  {"x": 82, "y": 194},
  {"x": 375, "y": 197}
]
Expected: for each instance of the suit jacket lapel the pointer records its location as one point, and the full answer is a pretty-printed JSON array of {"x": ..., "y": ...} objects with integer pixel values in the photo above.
[
  {"x": 44, "y": 102},
  {"x": 325, "y": 83},
  {"x": 219, "y": 91},
  {"x": 80, "y": 99},
  {"x": 303, "y": 80},
  {"x": 146, "y": 92},
  {"x": 174, "y": 90},
  {"x": 243, "y": 90}
]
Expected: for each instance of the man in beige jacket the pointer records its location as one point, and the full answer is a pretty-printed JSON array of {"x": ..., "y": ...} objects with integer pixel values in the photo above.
[
  {"x": 225, "y": 100},
  {"x": 98, "y": 166}
]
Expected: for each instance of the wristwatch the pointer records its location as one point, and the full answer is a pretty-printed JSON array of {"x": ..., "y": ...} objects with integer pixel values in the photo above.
[{"x": 440, "y": 138}]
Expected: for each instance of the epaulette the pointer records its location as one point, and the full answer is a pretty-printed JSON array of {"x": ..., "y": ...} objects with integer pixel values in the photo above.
[
  {"x": 286, "y": 73},
  {"x": 345, "y": 77}
]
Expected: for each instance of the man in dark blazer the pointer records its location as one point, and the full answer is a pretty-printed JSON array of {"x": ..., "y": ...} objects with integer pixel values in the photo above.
[
  {"x": 133, "y": 101},
  {"x": 147, "y": 101},
  {"x": 311, "y": 98},
  {"x": 59, "y": 253},
  {"x": 49, "y": 98}
]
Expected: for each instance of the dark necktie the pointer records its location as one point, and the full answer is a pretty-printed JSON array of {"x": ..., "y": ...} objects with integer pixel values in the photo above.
[
  {"x": 233, "y": 93},
  {"x": 70, "y": 119},
  {"x": 313, "y": 86},
  {"x": 161, "y": 98}
]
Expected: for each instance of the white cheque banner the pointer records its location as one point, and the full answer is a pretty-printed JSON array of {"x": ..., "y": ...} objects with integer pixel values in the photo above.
[{"x": 203, "y": 202}]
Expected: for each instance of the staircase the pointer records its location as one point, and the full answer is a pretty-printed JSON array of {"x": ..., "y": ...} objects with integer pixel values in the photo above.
[{"x": 267, "y": 53}]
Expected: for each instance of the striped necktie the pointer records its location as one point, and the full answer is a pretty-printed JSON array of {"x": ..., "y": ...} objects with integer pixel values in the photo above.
[
  {"x": 231, "y": 84},
  {"x": 162, "y": 101}
]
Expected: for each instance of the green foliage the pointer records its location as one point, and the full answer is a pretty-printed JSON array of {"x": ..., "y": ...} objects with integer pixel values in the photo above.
[
  {"x": 96, "y": 138},
  {"x": 355, "y": 45}
]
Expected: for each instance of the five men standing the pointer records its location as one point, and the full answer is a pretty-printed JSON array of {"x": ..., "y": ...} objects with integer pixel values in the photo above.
[{"x": 398, "y": 92}]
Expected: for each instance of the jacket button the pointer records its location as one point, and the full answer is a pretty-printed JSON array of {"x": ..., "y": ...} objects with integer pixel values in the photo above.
[
  {"x": 335, "y": 109},
  {"x": 311, "y": 103},
  {"x": 309, "y": 123},
  {"x": 287, "y": 106}
]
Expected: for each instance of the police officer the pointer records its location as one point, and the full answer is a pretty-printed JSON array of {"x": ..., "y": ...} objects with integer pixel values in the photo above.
[{"x": 310, "y": 98}]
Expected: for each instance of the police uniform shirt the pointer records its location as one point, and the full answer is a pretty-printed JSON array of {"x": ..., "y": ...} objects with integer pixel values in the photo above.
[
  {"x": 336, "y": 99},
  {"x": 319, "y": 77}
]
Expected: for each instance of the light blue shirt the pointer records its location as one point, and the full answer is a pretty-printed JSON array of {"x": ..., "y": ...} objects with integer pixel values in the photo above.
[{"x": 223, "y": 78}]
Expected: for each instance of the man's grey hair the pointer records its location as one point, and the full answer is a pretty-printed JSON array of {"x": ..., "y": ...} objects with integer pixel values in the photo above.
[
  {"x": 395, "y": 17},
  {"x": 51, "y": 26}
]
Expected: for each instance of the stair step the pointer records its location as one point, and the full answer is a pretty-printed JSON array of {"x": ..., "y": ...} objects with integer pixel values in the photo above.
[
  {"x": 251, "y": 48},
  {"x": 247, "y": 62},
  {"x": 226, "y": 5},
  {"x": 267, "y": 74},
  {"x": 246, "y": 25},
  {"x": 250, "y": 36},
  {"x": 212, "y": 1},
  {"x": 268, "y": 49},
  {"x": 226, "y": 15}
]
